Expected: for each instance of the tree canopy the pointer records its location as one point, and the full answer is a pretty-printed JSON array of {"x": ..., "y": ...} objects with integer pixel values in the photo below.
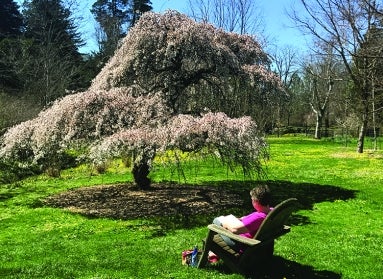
[
  {"x": 194, "y": 65},
  {"x": 138, "y": 105}
]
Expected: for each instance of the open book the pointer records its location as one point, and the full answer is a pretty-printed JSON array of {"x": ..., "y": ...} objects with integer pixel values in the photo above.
[{"x": 234, "y": 221}]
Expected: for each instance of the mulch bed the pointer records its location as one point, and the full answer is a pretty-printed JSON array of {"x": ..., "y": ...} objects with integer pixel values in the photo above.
[{"x": 125, "y": 201}]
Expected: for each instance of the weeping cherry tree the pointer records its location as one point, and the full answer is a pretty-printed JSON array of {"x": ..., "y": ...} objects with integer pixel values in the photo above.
[{"x": 147, "y": 100}]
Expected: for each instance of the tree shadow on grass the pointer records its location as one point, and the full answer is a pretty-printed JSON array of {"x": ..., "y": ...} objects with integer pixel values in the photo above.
[
  {"x": 175, "y": 206},
  {"x": 6, "y": 196},
  {"x": 280, "y": 268},
  {"x": 307, "y": 194}
]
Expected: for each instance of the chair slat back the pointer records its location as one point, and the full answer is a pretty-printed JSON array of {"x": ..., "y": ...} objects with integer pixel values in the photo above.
[{"x": 276, "y": 219}]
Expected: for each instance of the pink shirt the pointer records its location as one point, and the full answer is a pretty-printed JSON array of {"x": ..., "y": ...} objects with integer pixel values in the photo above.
[{"x": 252, "y": 222}]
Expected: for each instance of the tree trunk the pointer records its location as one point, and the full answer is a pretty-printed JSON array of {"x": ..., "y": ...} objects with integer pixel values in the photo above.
[
  {"x": 374, "y": 117},
  {"x": 142, "y": 161},
  {"x": 140, "y": 173},
  {"x": 363, "y": 128},
  {"x": 318, "y": 125},
  {"x": 362, "y": 132}
]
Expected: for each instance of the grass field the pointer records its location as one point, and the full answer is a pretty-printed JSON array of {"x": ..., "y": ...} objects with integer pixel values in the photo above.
[{"x": 337, "y": 233}]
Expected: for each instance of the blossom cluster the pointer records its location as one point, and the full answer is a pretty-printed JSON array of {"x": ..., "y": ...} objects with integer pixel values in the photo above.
[
  {"x": 258, "y": 73},
  {"x": 233, "y": 140}
]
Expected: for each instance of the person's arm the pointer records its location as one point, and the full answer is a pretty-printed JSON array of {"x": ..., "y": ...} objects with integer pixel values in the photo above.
[{"x": 233, "y": 224}]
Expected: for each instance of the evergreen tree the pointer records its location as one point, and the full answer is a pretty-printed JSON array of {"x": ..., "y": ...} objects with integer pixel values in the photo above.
[
  {"x": 53, "y": 67},
  {"x": 138, "y": 8},
  {"x": 115, "y": 17},
  {"x": 49, "y": 22},
  {"x": 10, "y": 81},
  {"x": 10, "y": 28},
  {"x": 10, "y": 19}
]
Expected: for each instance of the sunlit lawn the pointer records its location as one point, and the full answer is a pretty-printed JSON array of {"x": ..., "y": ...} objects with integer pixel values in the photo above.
[
  {"x": 345, "y": 235},
  {"x": 338, "y": 233}
]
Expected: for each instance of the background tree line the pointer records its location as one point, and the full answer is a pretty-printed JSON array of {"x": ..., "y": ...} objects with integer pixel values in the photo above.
[{"x": 333, "y": 89}]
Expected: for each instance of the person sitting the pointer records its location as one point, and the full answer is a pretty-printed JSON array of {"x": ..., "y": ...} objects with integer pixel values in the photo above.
[{"x": 247, "y": 225}]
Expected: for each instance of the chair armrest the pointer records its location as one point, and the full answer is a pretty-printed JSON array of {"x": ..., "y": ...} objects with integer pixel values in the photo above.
[{"x": 236, "y": 237}]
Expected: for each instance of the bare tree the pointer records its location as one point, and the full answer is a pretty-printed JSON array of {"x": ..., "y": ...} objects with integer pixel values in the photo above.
[
  {"x": 342, "y": 25},
  {"x": 372, "y": 55},
  {"x": 241, "y": 16},
  {"x": 285, "y": 65},
  {"x": 322, "y": 75}
]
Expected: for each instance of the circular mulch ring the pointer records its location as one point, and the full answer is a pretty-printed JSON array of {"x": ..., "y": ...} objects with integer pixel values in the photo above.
[{"x": 125, "y": 201}]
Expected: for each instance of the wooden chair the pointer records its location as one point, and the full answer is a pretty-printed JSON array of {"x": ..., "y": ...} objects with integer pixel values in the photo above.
[{"x": 256, "y": 251}]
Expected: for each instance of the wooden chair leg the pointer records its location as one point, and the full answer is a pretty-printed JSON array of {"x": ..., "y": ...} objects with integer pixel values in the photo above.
[
  {"x": 205, "y": 253},
  {"x": 203, "y": 260}
]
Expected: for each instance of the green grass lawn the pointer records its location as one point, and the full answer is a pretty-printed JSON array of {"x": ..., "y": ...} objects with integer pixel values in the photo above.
[{"x": 337, "y": 233}]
